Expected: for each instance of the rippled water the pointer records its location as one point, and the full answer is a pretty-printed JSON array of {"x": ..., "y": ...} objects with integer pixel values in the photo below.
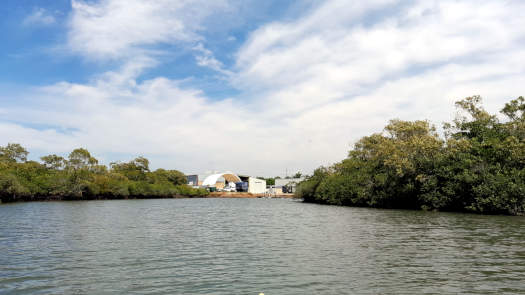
[{"x": 247, "y": 246}]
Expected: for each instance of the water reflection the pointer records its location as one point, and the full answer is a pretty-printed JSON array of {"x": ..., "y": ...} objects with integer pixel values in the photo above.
[{"x": 247, "y": 246}]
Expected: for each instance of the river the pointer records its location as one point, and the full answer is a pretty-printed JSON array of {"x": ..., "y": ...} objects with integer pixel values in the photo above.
[{"x": 248, "y": 246}]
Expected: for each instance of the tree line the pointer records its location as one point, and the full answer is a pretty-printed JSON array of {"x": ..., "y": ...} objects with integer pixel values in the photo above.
[
  {"x": 477, "y": 165},
  {"x": 81, "y": 177}
]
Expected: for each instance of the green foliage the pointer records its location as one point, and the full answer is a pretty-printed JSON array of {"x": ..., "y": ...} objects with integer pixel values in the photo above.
[
  {"x": 478, "y": 167},
  {"x": 135, "y": 170},
  {"x": 81, "y": 177},
  {"x": 81, "y": 159},
  {"x": 13, "y": 152},
  {"x": 54, "y": 162},
  {"x": 172, "y": 176},
  {"x": 11, "y": 188},
  {"x": 269, "y": 181},
  {"x": 308, "y": 188}
]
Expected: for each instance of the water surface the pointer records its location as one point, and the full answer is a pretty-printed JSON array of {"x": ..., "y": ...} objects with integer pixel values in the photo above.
[{"x": 247, "y": 246}]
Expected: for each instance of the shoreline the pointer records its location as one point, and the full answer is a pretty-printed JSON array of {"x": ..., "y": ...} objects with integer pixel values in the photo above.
[
  {"x": 242, "y": 195},
  {"x": 217, "y": 195}
]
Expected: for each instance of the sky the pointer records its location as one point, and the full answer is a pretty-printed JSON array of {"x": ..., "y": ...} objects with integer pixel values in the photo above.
[{"x": 255, "y": 87}]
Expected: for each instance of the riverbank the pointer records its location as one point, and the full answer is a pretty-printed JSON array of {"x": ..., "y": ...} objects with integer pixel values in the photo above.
[
  {"x": 88, "y": 198},
  {"x": 233, "y": 195},
  {"x": 245, "y": 195}
]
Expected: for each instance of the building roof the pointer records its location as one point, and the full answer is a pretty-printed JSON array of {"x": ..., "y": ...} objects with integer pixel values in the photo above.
[
  {"x": 212, "y": 179},
  {"x": 279, "y": 182}
]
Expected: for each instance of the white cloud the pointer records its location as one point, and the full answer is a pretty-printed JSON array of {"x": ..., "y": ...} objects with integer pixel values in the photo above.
[
  {"x": 125, "y": 28},
  {"x": 308, "y": 87},
  {"x": 341, "y": 75},
  {"x": 205, "y": 58},
  {"x": 39, "y": 16}
]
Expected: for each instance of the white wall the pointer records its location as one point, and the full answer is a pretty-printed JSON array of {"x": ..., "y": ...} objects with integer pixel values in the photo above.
[{"x": 256, "y": 185}]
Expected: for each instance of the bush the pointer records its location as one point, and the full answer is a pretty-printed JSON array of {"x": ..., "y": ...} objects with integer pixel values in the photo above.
[
  {"x": 81, "y": 177},
  {"x": 478, "y": 167}
]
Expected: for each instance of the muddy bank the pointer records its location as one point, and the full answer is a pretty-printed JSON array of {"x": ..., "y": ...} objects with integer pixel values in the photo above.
[
  {"x": 45, "y": 198},
  {"x": 245, "y": 195}
]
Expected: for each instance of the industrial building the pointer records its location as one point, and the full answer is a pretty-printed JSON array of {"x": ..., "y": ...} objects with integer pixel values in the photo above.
[
  {"x": 229, "y": 181},
  {"x": 256, "y": 185},
  {"x": 193, "y": 180},
  {"x": 286, "y": 185}
]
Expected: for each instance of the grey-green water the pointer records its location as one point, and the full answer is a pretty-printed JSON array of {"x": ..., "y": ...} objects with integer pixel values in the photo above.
[{"x": 247, "y": 246}]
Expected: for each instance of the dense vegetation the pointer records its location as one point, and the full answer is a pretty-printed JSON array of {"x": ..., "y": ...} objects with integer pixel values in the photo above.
[
  {"x": 477, "y": 166},
  {"x": 80, "y": 177}
]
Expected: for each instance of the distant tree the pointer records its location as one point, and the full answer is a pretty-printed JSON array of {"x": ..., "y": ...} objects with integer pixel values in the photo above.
[
  {"x": 142, "y": 163},
  {"x": 172, "y": 176},
  {"x": 479, "y": 166},
  {"x": 307, "y": 188},
  {"x": 11, "y": 188},
  {"x": 297, "y": 175},
  {"x": 81, "y": 177},
  {"x": 515, "y": 109},
  {"x": 269, "y": 180},
  {"x": 13, "y": 152},
  {"x": 134, "y": 170},
  {"x": 54, "y": 162},
  {"x": 81, "y": 158}
]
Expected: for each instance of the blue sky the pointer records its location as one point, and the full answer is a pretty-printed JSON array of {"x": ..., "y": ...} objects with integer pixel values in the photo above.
[
  {"x": 32, "y": 47},
  {"x": 256, "y": 87}
]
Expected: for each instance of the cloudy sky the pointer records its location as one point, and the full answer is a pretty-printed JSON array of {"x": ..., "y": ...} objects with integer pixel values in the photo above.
[{"x": 255, "y": 87}]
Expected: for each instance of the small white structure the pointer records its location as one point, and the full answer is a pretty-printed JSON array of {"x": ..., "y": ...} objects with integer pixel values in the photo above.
[{"x": 256, "y": 185}]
